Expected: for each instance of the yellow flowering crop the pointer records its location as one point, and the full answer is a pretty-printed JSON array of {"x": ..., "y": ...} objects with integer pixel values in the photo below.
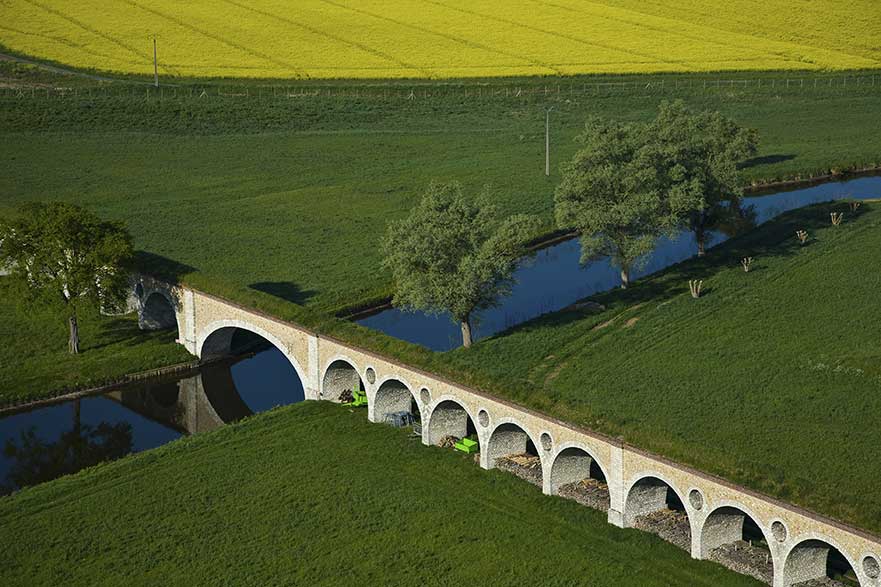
[{"x": 443, "y": 38}]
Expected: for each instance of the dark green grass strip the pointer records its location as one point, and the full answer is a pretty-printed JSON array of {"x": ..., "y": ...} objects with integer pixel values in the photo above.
[{"x": 314, "y": 495}]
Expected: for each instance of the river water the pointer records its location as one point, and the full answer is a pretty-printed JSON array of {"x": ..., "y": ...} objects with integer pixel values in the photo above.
[
  {"x": 46, "y": 442},
  {"x": 554, "y": 278}
]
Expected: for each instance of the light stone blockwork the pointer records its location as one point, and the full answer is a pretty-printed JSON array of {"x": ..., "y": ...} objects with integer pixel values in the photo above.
[{"x": 798, "y": 539}]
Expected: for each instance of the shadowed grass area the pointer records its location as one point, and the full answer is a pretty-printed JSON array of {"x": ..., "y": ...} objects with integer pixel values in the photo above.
[
  {"x": 771, "y": 378},
  {"x": 313, "y": 494},
  {"x": 34, "y": 357}
]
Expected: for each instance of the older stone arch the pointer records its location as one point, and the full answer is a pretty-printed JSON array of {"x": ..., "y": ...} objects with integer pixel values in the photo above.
[
  {"x": 654, "y": 505},
  {"x": 732, "y": 536},
  {"x": 576, "y": 474},
  {"x": 511, "y": 448},
  {"x": 339, "y": 377},
  {"x": 394, "y": 396},
  {"x": 448, "y": 418},
  {"x": 815, "y": 559},
  {"x": 215, "y": 341},
  {"x": 157, "y": 311}
]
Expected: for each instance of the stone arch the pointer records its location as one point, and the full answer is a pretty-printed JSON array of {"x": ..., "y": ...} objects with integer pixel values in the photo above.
[
  {"x": 393, "y": 396},
  {"x": 580, "y": 474},
  {"x": 339, "y": 376},
  {"x": 653, "y": 504},
  {"x": 215, "y": 341},
  {"x": 158, "y": 311},
  {"x": 511, "y": 448},
  {"x": 732, "y": 536},
  {"x": 449, "y": 417},
  {"x": 817, "y": 558}
]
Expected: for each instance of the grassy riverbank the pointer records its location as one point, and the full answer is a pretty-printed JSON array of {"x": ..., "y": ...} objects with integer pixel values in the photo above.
[
  {"x": 770, "y": 379},
  {"x": 244, "y": 505},
  {"x": 34, "y": 358},
  {"x": 301, "y": 182}
]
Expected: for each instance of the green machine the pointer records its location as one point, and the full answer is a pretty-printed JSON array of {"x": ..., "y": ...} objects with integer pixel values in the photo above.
[
  {"x": 467, "y": 445},
  {"x": 359, "y": 398}
]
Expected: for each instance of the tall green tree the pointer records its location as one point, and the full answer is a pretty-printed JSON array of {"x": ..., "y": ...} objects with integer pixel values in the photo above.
[
  {"x": 703, "y": 152},
  {"x": 454, "y": 254},
  {"x": 67, "y": 255},
  {"x": 614, "y": 195}
]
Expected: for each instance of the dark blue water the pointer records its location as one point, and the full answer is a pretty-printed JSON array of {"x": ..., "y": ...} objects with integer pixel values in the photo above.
[
  {"x": 45, "y": 443},
  {"x": 554, "y": 278}
]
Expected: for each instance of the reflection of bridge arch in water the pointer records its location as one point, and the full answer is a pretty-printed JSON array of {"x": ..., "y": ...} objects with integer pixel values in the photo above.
[{"x": 200, "y": 402}]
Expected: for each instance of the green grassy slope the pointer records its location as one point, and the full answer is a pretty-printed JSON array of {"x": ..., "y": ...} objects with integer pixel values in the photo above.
[
  {"x": 292, "y": 195},
  {"x": 314, "y": 495},
  {"x": 34, "y": 361},
  {"x": 772, "y": 379}
]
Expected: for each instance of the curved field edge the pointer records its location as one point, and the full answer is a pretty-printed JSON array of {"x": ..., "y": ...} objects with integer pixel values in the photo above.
[
  {"x": 332, "y": 39},
  {"x": 277, "y": 499}
]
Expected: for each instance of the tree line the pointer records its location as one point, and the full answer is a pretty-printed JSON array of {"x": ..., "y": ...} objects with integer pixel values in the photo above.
[{"x": 628, "y": 184}]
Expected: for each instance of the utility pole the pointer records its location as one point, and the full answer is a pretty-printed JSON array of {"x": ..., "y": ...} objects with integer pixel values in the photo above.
[
  {"x": 155, "y": 65},
  {"x": 548, "y": 141}
]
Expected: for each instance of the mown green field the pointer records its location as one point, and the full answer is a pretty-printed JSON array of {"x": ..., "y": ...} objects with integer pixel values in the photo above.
[
  {"x": 34, "y": 361},
  {"x": 443, "y": 38},
  {"x": 771, "y": 379},
  {"x": 291, "y": 196},
  {"x": 244, "y": 505}
]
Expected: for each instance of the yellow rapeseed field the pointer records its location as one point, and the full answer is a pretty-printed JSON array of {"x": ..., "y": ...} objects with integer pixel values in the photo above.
[{"x": 444, "y": 38}]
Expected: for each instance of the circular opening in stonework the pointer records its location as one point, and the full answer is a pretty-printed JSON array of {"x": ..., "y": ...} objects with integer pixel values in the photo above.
[
  {"x": 696, "y": 499},
  {"x": 139, "y": 290},
  {"x": 483, "y": 418},
  {"x": 546, "y": 442},
  {"x": 778, "y": 531},
  {"x": 371, "y": 375},
  {"x": 425, "y": 396},
  {"x": 871, "y": 567}
]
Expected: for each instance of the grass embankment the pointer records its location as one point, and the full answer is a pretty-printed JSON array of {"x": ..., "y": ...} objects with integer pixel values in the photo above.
[
  {"x": 306, "y": 185},
  {"x": 443, "y": 39},
  {"x": 771, "y": 379},
  {"x": 244, "y": 505},
  {"x": 35, "y": 363}
]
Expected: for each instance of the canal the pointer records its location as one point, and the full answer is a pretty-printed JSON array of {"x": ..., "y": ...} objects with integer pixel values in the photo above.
[
  {"x": 47, "y": 442},
  {"x": 554, "y": 278}
]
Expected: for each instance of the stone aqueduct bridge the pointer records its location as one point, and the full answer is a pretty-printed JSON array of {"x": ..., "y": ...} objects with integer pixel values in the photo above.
[{"x": 638, "y": 482}]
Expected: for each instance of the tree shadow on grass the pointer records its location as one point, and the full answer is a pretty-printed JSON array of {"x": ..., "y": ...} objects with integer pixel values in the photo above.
[
  {"x": 286, "y": 290},
  {"x": 766, "y": 160},
  {"x": 161, "y": 267}
]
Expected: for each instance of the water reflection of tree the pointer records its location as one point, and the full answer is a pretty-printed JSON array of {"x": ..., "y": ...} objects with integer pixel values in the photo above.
[
  {"x": 36, "y": 461},
  {"x": 734, "y": 218}
]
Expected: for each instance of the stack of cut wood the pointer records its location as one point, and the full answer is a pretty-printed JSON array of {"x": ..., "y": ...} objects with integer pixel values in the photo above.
[
  {"x": 346, "y": 396},
  {"x": 524, "y": 460},
  {"x": 448, "y": 441}
]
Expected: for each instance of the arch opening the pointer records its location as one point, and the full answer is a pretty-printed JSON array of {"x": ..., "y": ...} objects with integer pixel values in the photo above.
[
  {"x": 653, "y": 506},
  {"x": 257, "y": 376},
  {"x": 576, "y": 475},
  {"x": 395, "y": 404},
  {"x": 511, "y": 449},
  {"x": 340, "y": 380},
  {"x": 157, "y": 313},
  {"x": 448, "y": 423},
  {"x": 732, "y": 538},
  {"x": 816, "y": 563}
]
